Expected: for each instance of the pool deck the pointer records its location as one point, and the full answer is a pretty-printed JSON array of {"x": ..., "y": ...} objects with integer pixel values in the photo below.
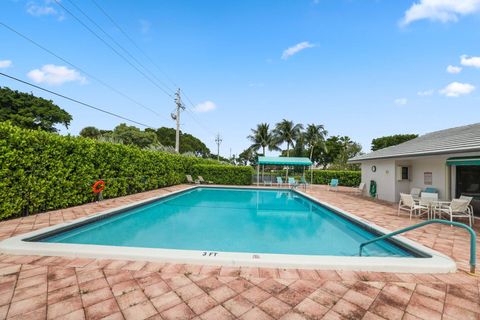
[{"x": 36, "y": 287}]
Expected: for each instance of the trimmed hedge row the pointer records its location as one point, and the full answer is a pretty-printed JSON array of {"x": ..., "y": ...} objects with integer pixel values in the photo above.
[
  {"x": 41, "y": 171},
  {"x": 224, "y": 174},
  {"x": 345, "y": 178}
]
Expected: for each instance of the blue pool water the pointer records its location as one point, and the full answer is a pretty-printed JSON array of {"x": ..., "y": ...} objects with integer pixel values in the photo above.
[{"x": 232, "y": 220}]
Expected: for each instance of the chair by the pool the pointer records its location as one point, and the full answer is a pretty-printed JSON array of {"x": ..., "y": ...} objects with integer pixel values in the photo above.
[
  {"x": 292, "y": 183},
  {"x": 303, "y": 181},
  {"x": 267, "y": 181},
  {"x": 333, "y": 185},
  {"x": 203, "y": 181},
  {"x": 190, "y": 180},
  {"x": 279, "y": 181},
  {"x": 360, "y": 188},
  {"x": 458, "y": 208},
  {"x": 407, "y": 203},
  {"x": 470, "y": 207},
  {"x": 429, "y": 200},
  {"x": 415, "y": 192}
]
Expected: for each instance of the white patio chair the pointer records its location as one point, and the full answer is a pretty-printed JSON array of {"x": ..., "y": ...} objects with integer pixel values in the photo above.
[
  {"x": 429, "y": 200},
  {"x": 470, "y": 207},
  {"x": 415, "y": 192},
  {"x": 360, "y": 188},
  {"x": 458, "y": 208},
  {"x": 408, "y": 204}
]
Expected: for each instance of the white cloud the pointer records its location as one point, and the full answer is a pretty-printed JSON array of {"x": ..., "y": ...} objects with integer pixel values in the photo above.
[
  {"x": 400, "y": 101},
  {"x": 44, "y": 9},
  {"x": 470, "y": 61},
  {"x": 456, "y": 89},
  {"x": 425, "y": 93},
  {"x": 206, "y": 106},
  {"x": 296, "y": 49},
  {"x": 454, "y": 69},
  {"x": 440, "y": 10},
  {"x": 56, "y": 75},
  {"x": 5, "y": 63}
]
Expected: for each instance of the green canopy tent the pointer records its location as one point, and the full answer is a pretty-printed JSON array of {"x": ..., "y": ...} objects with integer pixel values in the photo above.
[{"x": 283, "y": 161}]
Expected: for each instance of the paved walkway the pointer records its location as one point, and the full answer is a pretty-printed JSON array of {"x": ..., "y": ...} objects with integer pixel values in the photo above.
[{"x": 36, "y": 287}]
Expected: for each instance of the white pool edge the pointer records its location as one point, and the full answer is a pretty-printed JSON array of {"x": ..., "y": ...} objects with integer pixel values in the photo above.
[{"x": 437, "y": 263}]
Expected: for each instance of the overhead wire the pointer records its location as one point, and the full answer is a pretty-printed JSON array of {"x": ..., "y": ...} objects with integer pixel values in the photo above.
[{"x": 76, "y": 101}]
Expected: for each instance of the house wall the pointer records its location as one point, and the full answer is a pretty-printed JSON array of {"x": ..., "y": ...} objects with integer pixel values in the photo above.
[{"x": 389, "y": 189}]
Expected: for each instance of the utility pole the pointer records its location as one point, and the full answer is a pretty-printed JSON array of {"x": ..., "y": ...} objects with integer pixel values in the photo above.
[
  {"x": 218, "y": 140},
  {"x": 176, "y": 116}
]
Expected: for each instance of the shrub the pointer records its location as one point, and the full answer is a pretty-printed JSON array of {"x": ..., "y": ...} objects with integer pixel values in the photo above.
[
  {"x": 224, "y": 174},
  {"x": 345, "y": 178},
  {"x": 42, "y": 171}
]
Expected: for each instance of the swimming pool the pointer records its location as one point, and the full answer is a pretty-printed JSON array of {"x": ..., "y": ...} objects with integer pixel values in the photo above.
[{"x": 234, "y": 225}]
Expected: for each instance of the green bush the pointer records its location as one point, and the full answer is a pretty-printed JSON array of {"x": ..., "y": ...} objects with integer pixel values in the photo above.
[
  {"x": 42, "y": 171},
  {"x": 224, "y": 174},
  {"x": 345, "y": 178}
]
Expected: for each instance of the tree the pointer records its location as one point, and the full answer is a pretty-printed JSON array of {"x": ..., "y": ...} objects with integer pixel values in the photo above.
[
  {"x": 262, "y": 137},
  {"x": 315, "y": 137},
  {"x": 132, "y": 135},
  {"x": 188, "y": 142},
  {"x": 388, "y": 141},
  {"x": 287, "y": 131},
  {"x": 338, "y": 151},
  {"x": 247, "y": 156},
  {"x": 90, "y": 132},
  {"x": 27, "y": 111}
]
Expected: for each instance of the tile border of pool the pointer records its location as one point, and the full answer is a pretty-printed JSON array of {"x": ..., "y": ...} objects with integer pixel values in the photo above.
[{"x": 437, "y": 263}]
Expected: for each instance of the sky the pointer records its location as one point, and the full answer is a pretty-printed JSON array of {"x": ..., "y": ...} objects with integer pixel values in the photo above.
[{"x": 362, "y": 68}]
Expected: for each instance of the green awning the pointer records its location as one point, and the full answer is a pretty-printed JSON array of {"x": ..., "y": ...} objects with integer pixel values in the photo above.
[
  {"x": 284, "y": 161},
  {"x": 464, "y": 161}
]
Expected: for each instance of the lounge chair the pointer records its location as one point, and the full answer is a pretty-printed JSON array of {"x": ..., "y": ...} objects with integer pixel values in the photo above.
[
  {"x": 360, "y": 188},
  {"x": 203, "y": 181},
  {"x": 292, "y": 183},
  {"x": 408, "y": 204},
  {"x": 190, "y": 180},
  {"x": 333, "y": 185},
  {"x": 458, "y": 208},
  {"x": 279, "y": 181}
]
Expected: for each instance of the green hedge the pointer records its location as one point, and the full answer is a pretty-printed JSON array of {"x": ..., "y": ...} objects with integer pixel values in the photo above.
[
  {"x": 41, "y": 171},
  {"x": 345, "y": 178},
  {"x": 224, "y": 174}
]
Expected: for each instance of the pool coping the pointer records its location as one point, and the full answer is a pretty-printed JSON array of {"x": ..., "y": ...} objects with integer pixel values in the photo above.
[{"x": 437, "y": 263}]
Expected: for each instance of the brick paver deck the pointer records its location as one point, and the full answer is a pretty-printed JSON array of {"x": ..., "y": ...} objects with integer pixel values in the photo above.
[{"x": 36, "y": 287}]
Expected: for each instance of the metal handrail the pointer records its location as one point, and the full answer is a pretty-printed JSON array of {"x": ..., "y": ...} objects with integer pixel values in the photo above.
[{"x": 473, "y": 238}]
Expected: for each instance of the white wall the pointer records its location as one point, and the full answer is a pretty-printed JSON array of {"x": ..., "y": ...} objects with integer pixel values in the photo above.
[
  {"x": 384, "y": 176},
  {"x": 389, "y": 189}
]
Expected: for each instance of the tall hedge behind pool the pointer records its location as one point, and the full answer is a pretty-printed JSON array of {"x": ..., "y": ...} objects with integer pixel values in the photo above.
[
  {"x": 224, "y": 174},
  {"x": 41, "y": 171},
  {"x": 345, "y": 178}
]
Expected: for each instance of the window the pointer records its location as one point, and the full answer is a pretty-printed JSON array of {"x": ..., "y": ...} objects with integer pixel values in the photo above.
[
  {"x": 404, "y": 173},
  {"x": 427, "y": 178},
  {"x": 468, "y": 181}
]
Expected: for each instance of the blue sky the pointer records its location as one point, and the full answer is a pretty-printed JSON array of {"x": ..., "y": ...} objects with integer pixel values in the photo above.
[{"x": 363, "y": 68}]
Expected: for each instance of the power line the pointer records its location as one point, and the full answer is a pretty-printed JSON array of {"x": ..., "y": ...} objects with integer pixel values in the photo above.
[
  {"x": 75, "y": 100},
  {"x": 133, "y": 42},
  {"x": 119, "y": 45},
  {"x": 80, "y": 69},
  {"x": 113, "y": 49},
  {"x": 192, "y": 114}
]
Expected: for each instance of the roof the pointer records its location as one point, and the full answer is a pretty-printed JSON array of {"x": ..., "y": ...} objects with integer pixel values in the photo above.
[
  {"x": 454, "y": 140},
  {"x": 285, "y": 161}
]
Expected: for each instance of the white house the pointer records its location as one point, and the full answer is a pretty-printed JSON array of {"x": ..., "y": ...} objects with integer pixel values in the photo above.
[{"x": 447, "y": 160}]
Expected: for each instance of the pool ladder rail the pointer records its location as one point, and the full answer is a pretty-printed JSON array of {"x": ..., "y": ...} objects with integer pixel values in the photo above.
[{"x": 473, "y": 238}]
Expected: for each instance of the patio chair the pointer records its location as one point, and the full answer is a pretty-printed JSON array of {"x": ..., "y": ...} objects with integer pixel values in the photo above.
[
  {"x": 303, "y": 182},
  {"x": 470, "y": 207},
  {"x": 458, "y": 208},
  {"x": 408, "y": 204},
  {"x": 292, "y": 183},
  {"x": 279, "y": 181},
  {"x": 333, "y": 185},
  {"x": 191, "y": 181},
  {"x": 415, "y": 192},
  {"x": 429, "y": 200},
  {"x": 203, "y": 181},
  {"x": 267, "y": 180},
  {"x": 360, "y": 188}
]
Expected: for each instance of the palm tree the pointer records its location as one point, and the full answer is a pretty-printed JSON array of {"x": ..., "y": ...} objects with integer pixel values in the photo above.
[
  {"x": 287, "y": 131},
  {"x": 315, "y": 136},
  {"x": 262, "y": 137}
]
